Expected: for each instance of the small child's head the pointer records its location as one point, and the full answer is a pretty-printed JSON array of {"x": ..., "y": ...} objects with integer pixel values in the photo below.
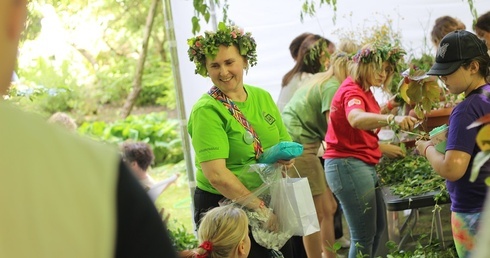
[
  {"x": 63, "y": 120},
  {"x": 443, "y": 26},
  {"x": 137, "y": 153},
  {"x": 374, "y": 65},
  {"x": 460, "y": 49},
  {"x": 223, "y": 233}
]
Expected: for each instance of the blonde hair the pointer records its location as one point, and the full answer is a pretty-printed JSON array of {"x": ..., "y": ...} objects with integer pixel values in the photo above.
[
  {"x": 364, "y": 73},
  {"x": 348, "y": 46},
  {"x": 224, "y": 227},
  {"x": 64, "y": 120}
]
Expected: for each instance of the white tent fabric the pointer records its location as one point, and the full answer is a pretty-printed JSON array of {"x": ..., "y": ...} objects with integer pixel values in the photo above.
[{"x": 274, "y": 23}]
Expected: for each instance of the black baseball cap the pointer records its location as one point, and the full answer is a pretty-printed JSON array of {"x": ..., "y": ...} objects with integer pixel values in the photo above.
[{"x": 456, "y": 48}]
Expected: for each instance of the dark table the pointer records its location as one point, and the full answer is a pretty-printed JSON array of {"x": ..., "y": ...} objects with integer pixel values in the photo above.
[{"x": 394, "y": 204}]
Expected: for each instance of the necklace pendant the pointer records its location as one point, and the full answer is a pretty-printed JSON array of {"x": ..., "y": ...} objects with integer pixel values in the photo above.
[{"x": 248, "y": 137}]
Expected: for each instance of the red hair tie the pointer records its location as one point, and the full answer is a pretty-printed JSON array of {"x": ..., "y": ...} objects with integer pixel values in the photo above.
[{"x": 206, "y": 245}]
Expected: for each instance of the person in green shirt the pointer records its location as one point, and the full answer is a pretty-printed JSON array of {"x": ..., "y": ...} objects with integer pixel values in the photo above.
[
  {"x": 231, "y": 125},
  {"x": 306, "y": 117}
]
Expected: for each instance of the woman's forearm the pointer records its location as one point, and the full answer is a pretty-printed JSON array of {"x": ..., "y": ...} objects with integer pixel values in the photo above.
[
  {"x": 368, "y": 121},
  {"x": 225, "y": 182}
]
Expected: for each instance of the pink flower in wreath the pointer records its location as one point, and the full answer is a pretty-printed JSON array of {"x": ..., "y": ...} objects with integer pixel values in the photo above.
[
  {"x": 233, "y": 34},
  {"x": 198, "y": 44}
]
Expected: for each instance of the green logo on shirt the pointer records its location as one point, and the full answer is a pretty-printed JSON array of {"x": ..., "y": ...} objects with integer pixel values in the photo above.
[{"x": 269, "y": 119}]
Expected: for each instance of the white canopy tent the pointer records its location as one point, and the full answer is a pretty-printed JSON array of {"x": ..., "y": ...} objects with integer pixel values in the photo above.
[{"x": 274, "y": 23}]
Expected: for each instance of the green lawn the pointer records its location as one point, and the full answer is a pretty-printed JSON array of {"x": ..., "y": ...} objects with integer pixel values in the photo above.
[{"x": 176, "y": 198}]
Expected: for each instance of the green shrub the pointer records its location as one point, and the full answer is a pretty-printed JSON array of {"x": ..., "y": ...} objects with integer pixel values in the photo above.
[
  {"x": 44, "y": 100},
  {"x": 155, "y": 129},
  {"x": 46, "y": 87},
  {"x": 157, "y": 84},
  {"x": 181, "y": 238}
]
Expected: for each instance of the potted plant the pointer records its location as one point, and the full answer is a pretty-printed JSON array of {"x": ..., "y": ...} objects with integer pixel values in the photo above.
[{"x": 424, "y": 96}]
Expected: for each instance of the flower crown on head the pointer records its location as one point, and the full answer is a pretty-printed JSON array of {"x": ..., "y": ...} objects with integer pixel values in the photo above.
[
  {"x": 379, "y": 54},
  {"x": 201, "y": 47},
  {"x": 316, "y": 52}
]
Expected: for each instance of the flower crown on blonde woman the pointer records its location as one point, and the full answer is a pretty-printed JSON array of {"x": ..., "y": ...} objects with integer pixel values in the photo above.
[
  {"x": 201, "y": 47},
  {"x": 379, "y": 54}
]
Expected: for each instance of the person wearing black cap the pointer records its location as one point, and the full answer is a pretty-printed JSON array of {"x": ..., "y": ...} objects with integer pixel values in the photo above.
[{"x": 462, "y": 64}]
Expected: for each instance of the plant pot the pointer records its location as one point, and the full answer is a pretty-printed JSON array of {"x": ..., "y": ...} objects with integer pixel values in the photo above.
[{"x": 436, "y": 117}]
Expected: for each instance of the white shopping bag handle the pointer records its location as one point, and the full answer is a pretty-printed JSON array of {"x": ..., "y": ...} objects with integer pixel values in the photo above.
[{"x": 297, "y": 172}]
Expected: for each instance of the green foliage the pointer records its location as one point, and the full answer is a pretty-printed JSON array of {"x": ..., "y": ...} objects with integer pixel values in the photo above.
[
  {"x": 32, "y": 24},
  {"x": 155, "y": 129},
  {"x": 45, "y": 88},
  {"x": 48, "y": 74},
  {"x": 430, "y": 250},
  {"x": 411, "y": 176},
  {"x": 43, "y": 100},
  {"x": 473, "y": 11},
  {"x": 181, "y": 238},
  {"x": 202, "y": 9},
  {"x": 420, "y": 90},
  {"x": 423, "y": 63},
  {"x": 158, "y": 85},
  {"x": 101, "y": 72},
  {"x": 114, "y": 79},
  {"x": 308, "y": 8}
]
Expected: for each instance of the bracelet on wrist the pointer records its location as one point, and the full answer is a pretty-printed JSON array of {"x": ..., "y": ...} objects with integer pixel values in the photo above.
[
  {"x": 390, "y": 118},
  {"x": 426, "y": 147}
]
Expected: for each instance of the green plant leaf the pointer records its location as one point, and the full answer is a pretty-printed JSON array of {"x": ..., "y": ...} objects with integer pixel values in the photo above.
[
  {"x": 480, "y": 159},
  {"x": 483, "y": 138},
  {"x": 414, "y": 91}
]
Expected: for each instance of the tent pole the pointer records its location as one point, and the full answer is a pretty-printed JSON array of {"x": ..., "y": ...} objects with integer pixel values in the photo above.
[{"x": 186, "y": 146}]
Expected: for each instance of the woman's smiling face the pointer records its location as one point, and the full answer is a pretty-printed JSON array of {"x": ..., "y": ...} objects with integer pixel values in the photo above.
[{"x": 226, "y": 69}]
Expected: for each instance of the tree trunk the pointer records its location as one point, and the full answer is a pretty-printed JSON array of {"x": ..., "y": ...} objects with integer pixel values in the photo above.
[{"x": 133, "y": 95}]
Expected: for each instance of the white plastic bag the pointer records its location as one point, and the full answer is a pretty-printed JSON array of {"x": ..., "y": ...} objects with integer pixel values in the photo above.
[{"x": 273, "y": 193}]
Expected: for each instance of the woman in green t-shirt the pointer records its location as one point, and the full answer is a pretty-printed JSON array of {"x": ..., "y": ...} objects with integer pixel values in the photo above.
[{"x": 231, "y": 125}]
